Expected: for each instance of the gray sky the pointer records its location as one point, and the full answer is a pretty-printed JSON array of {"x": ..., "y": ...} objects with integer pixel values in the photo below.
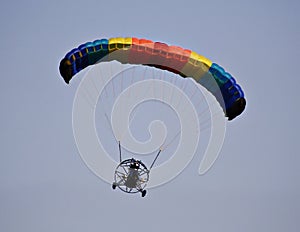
[{"x": 253, "y": 186}]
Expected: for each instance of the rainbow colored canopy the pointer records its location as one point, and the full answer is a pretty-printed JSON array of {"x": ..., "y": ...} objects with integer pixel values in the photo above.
[{"x": 183, "y": 62}]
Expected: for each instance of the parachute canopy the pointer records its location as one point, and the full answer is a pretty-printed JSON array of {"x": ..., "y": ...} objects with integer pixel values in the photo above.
[{"x": 183, "y": 62}]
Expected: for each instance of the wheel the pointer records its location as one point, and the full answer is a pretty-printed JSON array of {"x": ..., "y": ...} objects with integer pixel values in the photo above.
[
  {"x": 144, "y": 193},
  {"x": 114, "y": 186}
]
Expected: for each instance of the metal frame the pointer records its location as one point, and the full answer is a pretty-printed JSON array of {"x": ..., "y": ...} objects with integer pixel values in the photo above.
[
  {"x": 122, "y": 175},
  {"x": 132, "y": 180}
]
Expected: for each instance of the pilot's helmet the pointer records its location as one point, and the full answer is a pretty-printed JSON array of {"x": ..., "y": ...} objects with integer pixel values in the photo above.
[{"x": 135, "y": 165}]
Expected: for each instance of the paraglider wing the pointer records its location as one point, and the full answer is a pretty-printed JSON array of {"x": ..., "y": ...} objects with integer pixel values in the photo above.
[{"x": 175, "y": 59}]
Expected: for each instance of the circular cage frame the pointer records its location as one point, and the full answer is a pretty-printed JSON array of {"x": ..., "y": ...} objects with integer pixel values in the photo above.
[{"x": 121, "y": 176}]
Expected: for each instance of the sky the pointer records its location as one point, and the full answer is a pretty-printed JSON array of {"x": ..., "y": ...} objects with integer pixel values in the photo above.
[{"x": 254, "y": 184}]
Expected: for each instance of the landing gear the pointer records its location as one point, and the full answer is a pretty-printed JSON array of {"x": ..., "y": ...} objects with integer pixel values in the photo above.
[{"x": 144, "y": 192}]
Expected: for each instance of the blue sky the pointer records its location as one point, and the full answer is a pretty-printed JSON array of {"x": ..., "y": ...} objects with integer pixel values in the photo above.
[{"x": 253, "y": 186}]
